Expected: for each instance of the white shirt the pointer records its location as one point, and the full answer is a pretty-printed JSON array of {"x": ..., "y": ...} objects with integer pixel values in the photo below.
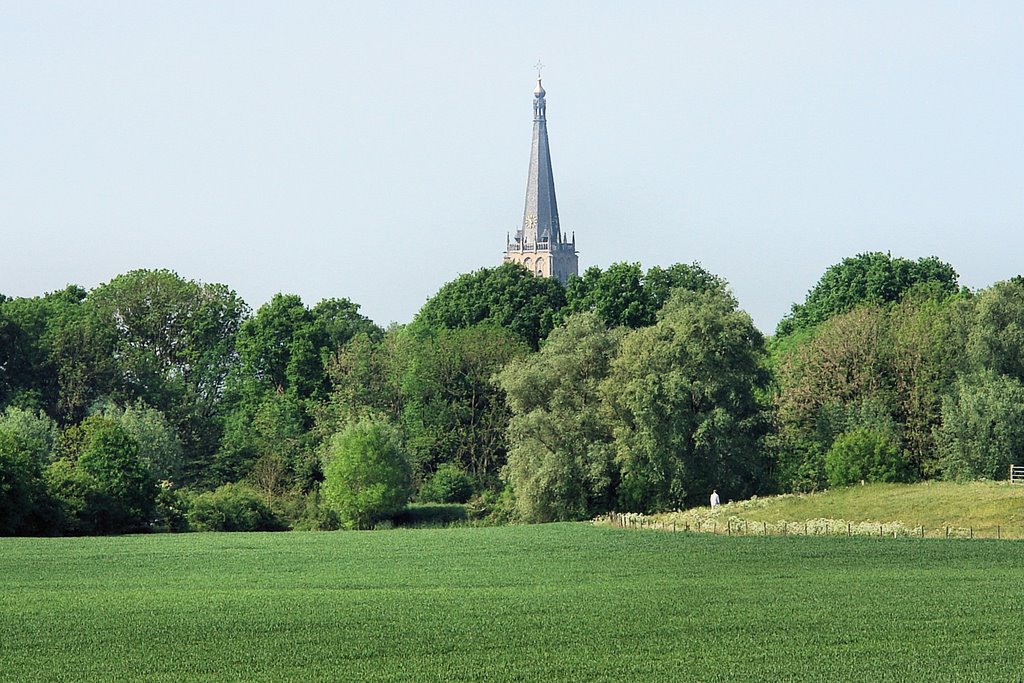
[{"x": 715, "y": 500}]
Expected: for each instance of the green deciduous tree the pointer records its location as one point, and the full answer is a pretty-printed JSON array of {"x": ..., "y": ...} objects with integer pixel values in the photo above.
[
  {"x": 367, "y": 476},
  {"x": 102, "y": 482},
  {"x": 54, "y": 354},
  {"x": 982, "y": 430},
  {"x": 160, "y": 449},
  {"x": 34, "y": 430},
  {"x": 560, "y": 463},
  {"x": 623, "y": 295},
  {"x": 864, "y": 454},
  {"x": 25, "y": 506},
  {"x": 266, "y": 442},
  {"x": 273, "y": 395},
  {"x": 843, "y": 363},
  {"x": 174, "y": 347},
  {"x": 285, "y": 345},
  {"x": 366, "y": 379},
  {"x": 869, "y": 278},
  {"x": 885, "y": 367},
  {"x": 996, "y": 339},
  {"x": 683, "y": 396},
  {"x": 660, "y": 282},
  {"x": 451, "y": 409},
  {"x": 26, "y": 446},
  {"x": 508, "y": 296},
  {"x": 616, "y": 294}
]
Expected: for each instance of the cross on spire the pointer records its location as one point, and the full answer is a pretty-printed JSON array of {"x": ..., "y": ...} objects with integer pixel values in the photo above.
[{"x": 538, "y": 66}]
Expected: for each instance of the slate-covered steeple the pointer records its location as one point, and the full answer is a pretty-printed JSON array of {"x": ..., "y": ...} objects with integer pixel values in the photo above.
[
  {"x": 539, "y": 244},
  {"x": 540, "y": 219}
]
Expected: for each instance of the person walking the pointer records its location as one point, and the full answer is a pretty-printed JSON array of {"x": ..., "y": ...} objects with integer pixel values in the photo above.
[{"x": 715, "y": 500}]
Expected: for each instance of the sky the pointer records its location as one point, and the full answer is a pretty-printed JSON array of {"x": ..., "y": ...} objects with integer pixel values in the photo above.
[{"x": 377, "y": 150}]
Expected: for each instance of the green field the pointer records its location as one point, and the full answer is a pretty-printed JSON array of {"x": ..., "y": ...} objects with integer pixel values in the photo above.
[{"x": 570, "y": 602}]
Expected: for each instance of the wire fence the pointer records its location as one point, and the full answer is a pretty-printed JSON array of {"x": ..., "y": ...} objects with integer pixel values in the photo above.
[{"x": 816, "y": 527}]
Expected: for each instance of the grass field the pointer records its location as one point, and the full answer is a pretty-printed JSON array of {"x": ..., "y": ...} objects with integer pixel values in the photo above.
[
  {"x": 977, "y": 508},
  {"x": 570, "y": 602}
]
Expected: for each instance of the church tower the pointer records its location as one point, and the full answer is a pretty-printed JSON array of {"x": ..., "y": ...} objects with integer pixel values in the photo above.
[{"x": 539, "y": 244}]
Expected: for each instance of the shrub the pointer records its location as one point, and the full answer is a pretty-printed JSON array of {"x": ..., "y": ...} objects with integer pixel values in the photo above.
[
  {"x": 111, "y": 458},
  {"x": 316, "y": 516},
  {"x": 171, "y": 508},
  {"x": 865, "y": 454},
  {"x": 100, "y": 482},
  {"x": 84, "y": 507},
  {"x": 25, "y": 505},
  {"x": 982, "y": 430},
  {"x": 449, "y": 484},
  {"x": 431, "y": 514},
  {"x": 231, "y": 507},
  {"x": 368, "y": 477}
]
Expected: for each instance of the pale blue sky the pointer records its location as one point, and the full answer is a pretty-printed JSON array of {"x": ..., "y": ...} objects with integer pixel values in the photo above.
[{"x": 376, "y": 150}]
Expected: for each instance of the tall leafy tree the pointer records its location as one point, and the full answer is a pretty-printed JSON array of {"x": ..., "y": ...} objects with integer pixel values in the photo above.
[
  {"x": 879, "y": 367},
  {"x": 34, "y": 430},
  {"x": 927, "y": 341},
  {"x": 54, "y": 356},
  {"x": 266, "y": 441},
  {"x": 366, "y": 378},
  {"x": 174, "y": 347},
  {"x": 267, "y": 341},
  {"x": 982, "y": 430},
  {"x": 996, "y": 340},
  {"x": 508, "y": 296},
  {"x": 451, "y": 409},
  {"x": 286, "y": 345},
  {"x": 284, "y": 352},
  {"x": 623, "y": 295},
  {"x": 868, "y": 278},
  {"x": 683, "y": 400},
  {"x": 561, "y": 460},
  {"x": 660, "y": 282},
  {"x": 160, "y": 449},
  {"x": 617, "y": 295}
]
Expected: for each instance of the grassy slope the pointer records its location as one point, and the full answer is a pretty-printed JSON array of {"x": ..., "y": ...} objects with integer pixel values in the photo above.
[
  {"x": 542, "y": 603},
  {"x": 934, "y": 505}
]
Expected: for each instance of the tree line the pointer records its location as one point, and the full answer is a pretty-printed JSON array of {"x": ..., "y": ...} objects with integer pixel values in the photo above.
[{"x": 154, "y": 402}]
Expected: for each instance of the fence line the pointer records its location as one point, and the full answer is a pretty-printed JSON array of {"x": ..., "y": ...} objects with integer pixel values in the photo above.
[
  {"x": 742, "y": 527},
  {"x": 1017, "y": 474}
]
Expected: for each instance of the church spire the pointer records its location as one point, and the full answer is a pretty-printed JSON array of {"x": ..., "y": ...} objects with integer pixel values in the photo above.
[
  {"x": 539, "y": 245},
  {"x": 540, "y": 218}
]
